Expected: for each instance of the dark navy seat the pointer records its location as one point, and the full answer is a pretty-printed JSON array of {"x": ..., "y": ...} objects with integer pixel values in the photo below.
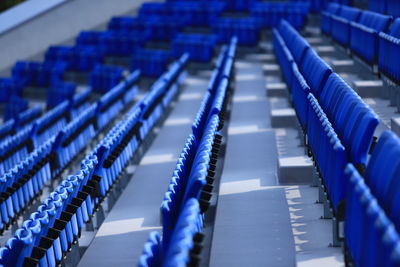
[
  {"x": 364, "y": 35},
  {"x": 341, "y": 24},
  {"x": 284, "y": 56},
  {"x": 326, "y": 24},
  {"x": 353, "y": 120},
  {"x": 388, "y": 51},
  {"x": 329, "y": 154},
  {"x": 298, "y": 47},
  {"x": 370, "y": 235},
  {"x": 300, "y": 91},
  {"x": 315, "y": 71},
  {"x": 382, "y": 174}
]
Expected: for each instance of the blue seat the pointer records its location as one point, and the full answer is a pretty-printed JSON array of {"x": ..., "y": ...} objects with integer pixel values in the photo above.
[
  {"x": 364, "y": 35},
  {"x": 389, "y": 49},
  {"x": 298, "y": 47},
  {"x": 200, "y": 47},
  {"x": 173, "y": 199},
  {"x": 329, "y": 154},
  {"x": 284, "y": 57},
  {"x": 326, "y": 24},
  {"x": 300, "y": 91},
  {"x": 315, "y": 71},
  {"x": 353, "y": 120},
  {"x": 294, "y": 41},
  {"x": 199, "y": 172},
  {"x": 190, "y": 222},
  {"x": 382, "y": 172},
  {"x": 105, "y": 77},
  {"x": 369, "y": 235},
  {"x": 341, "y": 24},
  {"x": 151, "y": 255}
]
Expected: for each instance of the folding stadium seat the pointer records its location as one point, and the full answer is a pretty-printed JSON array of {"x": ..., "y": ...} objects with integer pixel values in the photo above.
[
  {"x": 151, "y": 255},
  {"x": 382, "y": 172},
  {"x": 300, "y": 91},
  {"x": 341, "y": 24},
  {"x": 328, "y": 152},
  {"x": 370, "y": 236},
  {"x": 353, "y": 120},
  {"x": 298, "y": 47},
  {"x": 326, "y": 24},
  {"x": 389, "y": 51},
  {"x": 364, "y": 35},
  {"x": 284, "y": 56},
  {"x": 200, "y": 47},
  {"x": 315, "y": 71}
]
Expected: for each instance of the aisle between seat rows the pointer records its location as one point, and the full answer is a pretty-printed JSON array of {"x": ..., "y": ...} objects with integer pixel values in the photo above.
[
  {"x": 252, "y": 226},
  {"x": 121, "y": 237}
]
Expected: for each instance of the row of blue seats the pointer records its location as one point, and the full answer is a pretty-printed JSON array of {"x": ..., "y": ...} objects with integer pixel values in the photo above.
[
  {"x": 356, "y": 29},
  {"x": 270, "y": 13},
  {"x": 25, "y": 179},
  {"x": 368, "y": 35},
  {"x": 372, "y": 222},
  {"x": 49, "y": 233},
  {"x": 200, "y": 47},
  {"x": 226, "y": 5},
  {"x": 9, "y": 87},
  {"x": 75, "y": 58},
  {"x": 390, "y": 7},
  {"x": 194, "y": 13},
  {"x": 22, "y": 119},
  {"x": 104, "y": 77},
  {"x": 339, "y": 127},
  {"x": 59, "y": 92},
  {"x": 17, "y": 147},
  {"x": 114, "y": 42},
  {"x": 14, "y": 107},
  {"x": 151, "y": 62},
  {"x": 334, "y": 95},
  {"x": 189, "y": 191},
  {"x": 38, "y": 74},
  {"x": 247, "y": 30}
]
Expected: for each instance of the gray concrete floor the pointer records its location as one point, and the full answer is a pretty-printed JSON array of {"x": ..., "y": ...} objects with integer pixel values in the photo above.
[{"x": 252, "y": 226}]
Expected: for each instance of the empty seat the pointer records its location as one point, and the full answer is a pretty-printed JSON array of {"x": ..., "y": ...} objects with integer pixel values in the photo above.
[
  {"x": 364, "y": 35},
  {"x": 382, "y": 174},
  {"x": 331, "y": 9},
  {"x": 341, "y": 24},
  {"x": 370, "y": 236},
  {"x": 315, "y": 71},
  {"x": 300, "y": 91},
  {"x": 151, "y": 255},
  {"x": 389, "y": 50},
  {"x": 284, "y": 56},
  {"x": 353, "y": 120},
  {"x": 298, "y": 47},
  {"x": 329, "y": 154}
]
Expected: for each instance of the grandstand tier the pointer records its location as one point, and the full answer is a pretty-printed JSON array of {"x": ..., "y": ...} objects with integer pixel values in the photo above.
[{"x": 205, "y": 133}]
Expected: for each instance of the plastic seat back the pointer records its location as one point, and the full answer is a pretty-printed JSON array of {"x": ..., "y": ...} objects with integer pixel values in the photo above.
[
  {"x": 315, "y": 71},
  {"x": 350, "y": 13},
  {"x": 375, "y": 21}
]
